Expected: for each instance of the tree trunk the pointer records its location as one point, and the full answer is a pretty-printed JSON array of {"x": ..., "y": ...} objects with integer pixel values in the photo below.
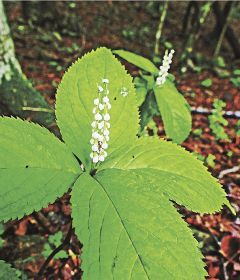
[
  {"x": 230, "y": 35},
  {"x": 17, "y": 96}
]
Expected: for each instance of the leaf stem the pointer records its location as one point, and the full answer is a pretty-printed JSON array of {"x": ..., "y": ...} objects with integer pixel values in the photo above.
[{"x": 54, "y": 252}]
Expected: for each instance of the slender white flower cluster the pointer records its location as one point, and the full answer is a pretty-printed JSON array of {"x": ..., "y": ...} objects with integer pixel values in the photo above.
[
  {"x": 164, "y": 68},
  {"x": 100, "y": 125},
  {"x": 124, "y": 92}
]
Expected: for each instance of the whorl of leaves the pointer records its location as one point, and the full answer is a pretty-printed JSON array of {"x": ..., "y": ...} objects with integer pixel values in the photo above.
[{"x": 122, "y": 208}]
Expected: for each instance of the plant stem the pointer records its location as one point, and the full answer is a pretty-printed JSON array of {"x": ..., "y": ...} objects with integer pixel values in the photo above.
[
  {"x": 160, "y": 27},
  {"x": 223, "y": 31},
  {"x": 54, "y": 252}
]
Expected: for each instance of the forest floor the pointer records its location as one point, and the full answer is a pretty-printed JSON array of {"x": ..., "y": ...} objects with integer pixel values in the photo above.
[{"x": 45, "y": 53}]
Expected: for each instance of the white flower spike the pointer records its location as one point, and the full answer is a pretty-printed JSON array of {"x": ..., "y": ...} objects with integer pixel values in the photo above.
[
  {"x": 100, "y": 125},
  {"x": 164, "y": 68}
]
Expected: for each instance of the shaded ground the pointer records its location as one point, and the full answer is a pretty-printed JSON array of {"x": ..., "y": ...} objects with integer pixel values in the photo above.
[{"x": 44, "y": 54}]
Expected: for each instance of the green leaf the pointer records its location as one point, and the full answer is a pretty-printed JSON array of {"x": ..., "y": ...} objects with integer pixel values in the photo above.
[
  {"x": 236, "y": 81},
  {"x": 75, "y": 98},
  {"x": 148, "y": 110},
  {"x": 174, "y": 111},
  {"x": 138, "y": 60},
  {"x": 141, "y": 90},
  {"x": 7, "y": 272},
  {"x": 141, "y": 95},
  {"x": 206, "y": 83},
  {"x": 236, "y": 72},
  {"x": 130, "y": 229},
  {"x": 210, "y": 160},
  {"x": 35, "y": 168},
  {"x": 193, "y": 186}
]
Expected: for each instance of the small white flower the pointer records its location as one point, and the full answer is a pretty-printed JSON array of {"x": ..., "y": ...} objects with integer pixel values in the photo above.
[
  {"x": 107, "y": 124},
  {"x": 94, "y": 110},
  {"x": 92, "y": 141},
  {"x": 98, "y": 117},
  {"x": 100, "y": 137},
  {"x": 107, "y": 138},
  {"x": 100, "y": 125},
  {"x": 107, "y": 117},
  {"x": 105, "y": 81},
  {"x": 101, "y": 106},
  {"x": 95, "y": 158},
  {"x": 94, "y": 124},
  {"x": 104, "y": 145},
  {"x": 101, "y": 158},
  {"x": 106, "y": 132},
  {"x": 95, "y": 135},
  {"x": 96, "y": 101},
  {"x": 100, "y": 89},
  {"x": 91, "y": 155},
  {"x": 109, "y": 106},
  {"x": 124, "y": 92},
  {"x": 105, "y": 99},
  {"x": 95, "y": 148}
]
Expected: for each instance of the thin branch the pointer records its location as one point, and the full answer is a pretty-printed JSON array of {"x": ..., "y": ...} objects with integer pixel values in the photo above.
[
  {"x": 230, "y": 35},
  {"x": 224, "y": 29},
  {"x": 228, "y": 171},
  {"x": 205, "y": 111},
  {"x": 160, "y": 27},
  {"x": 33, "y": 109},
  {"x": 54, "y": 252}
]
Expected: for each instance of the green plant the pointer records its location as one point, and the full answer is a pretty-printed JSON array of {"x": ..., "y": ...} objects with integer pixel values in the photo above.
[
  {"x": 9, "y": 273},
  {"x": 54, "y": 241},
  {"x": 217, "y": 121},
  {"x": 210, "y": 160},
  {"x": 219, "y": 62},
  {"x": 229, "y": 153},
  {"x": 238, "y": 128},
  {"x": 121, "y": 192},
  {"x": 155, "y": 100},
  {"x": 206, "y": 83},
  {"x": 199, "y": 156},
  {"x": 197, "y": 131},
  {"x": 236, "y": 72},
  {"x": 236, "y": 78}
]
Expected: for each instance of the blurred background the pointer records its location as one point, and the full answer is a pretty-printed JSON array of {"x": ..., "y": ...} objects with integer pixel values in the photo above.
[{"x": 44, "y": 38}]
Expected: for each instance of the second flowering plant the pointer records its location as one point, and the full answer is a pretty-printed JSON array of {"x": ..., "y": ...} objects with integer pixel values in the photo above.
[{"x": 122, "y": 186}]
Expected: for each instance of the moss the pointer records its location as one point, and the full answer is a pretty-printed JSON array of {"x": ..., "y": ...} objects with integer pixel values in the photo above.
[{"x": 18, "y": 93}]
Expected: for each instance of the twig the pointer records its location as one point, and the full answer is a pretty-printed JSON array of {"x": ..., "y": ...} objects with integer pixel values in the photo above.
[
  {"x": 205, "y": 111},
  {"x": 224, "y": 29},
  {"x": 160, "y": 27},
  {"x": 230, "y": 35},
  {"x": 228, "y": 171},
  {"x": 54, "y": 252},
  {"x": 45, "y": 110}
]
